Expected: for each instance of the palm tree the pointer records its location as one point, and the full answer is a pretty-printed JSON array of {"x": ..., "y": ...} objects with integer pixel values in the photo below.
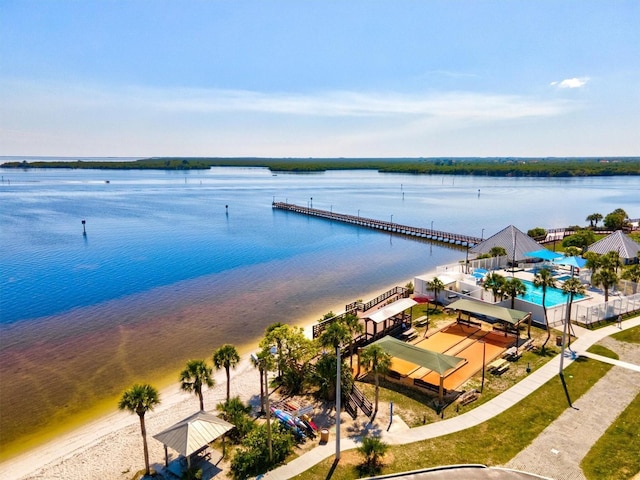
[
  {"x": 543, "y": 280},
  {"x": 571, "y": 287},
  {"x": 633, "y": 275},
  {"x": 514, "y": 287},
  {"x": 194, "y": 377},
  {"x": 495, "y": 283},
  {"x": 593, "y": 219},
  {"x": 226, "y": 356},
  {"x": 140, "y": 399},
  {"x": 606, "y": 278},
  {"x": 372, "y": 449},
  {"x": 265, "y": 362},
  {"x": 355, "y": 327},
  {"x": 611, "y": 260},
  {"x": 498, "y": 252},
  {"x": 335, "y": 335},
  {"x": 436, "y": 286},
  {"x": 375, "y": 359},
  {"x": 593, "y": 261}
]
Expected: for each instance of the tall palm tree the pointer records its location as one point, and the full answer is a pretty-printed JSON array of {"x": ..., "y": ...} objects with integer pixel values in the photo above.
[
  {"x": 226, "y": 356},
  {"x": 570, "y": 287},
  {"x": 335, "y": 335},
  {"x": 514, "y": 287},
  {"x": 375, "y": 359},
  {"x": 543, "y": 280},
  {"x": 355, "y": 327},
  {"x": 605, "y": 278},
  {"x": 140, "y": 399},
  {"x": 611, "y": 260},
  {"x": 494, "y": 282},
  {"x": 265, "y": 362},
  {"x": 196, "y": 374},
  {"x": 593, "y": 261},
  {"x": 436, "y": 286}
]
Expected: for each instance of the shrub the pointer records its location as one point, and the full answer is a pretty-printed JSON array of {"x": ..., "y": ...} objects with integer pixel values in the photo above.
[
  {"x": 252, "y": 457},
  {"x": 537, "y": 232},
  {"x": 372, "y": 449},
  {"x": 237, "y": 413}
]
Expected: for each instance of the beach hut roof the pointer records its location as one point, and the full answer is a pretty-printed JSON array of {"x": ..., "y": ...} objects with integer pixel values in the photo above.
[
  {"x": 616, "y": 242},
  {"x": 392, "y": 310},
  {"x": 193, "y": 433},
  {"x": 509, "y": 238}
]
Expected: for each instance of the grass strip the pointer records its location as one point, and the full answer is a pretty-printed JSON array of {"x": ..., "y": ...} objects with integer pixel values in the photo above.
[
  {"x": 603, "y": 351},
  {"x": 494, "y": 442},
  {"x": 632, "y": 335},
  {"x": 612, "y": 456}
]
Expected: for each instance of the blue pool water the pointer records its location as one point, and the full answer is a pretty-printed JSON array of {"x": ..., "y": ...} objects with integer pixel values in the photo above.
[{"x": 553, "y": 298}]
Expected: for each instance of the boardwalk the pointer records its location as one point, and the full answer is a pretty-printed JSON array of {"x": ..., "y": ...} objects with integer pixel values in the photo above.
[{"x": 427, "y": 233}]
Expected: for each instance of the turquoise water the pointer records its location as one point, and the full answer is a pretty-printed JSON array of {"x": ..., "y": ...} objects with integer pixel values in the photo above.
[{"x": 553, "y": 297}]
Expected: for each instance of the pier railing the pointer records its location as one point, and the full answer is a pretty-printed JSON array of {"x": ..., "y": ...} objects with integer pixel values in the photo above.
[{"x": 428, "y": 233}]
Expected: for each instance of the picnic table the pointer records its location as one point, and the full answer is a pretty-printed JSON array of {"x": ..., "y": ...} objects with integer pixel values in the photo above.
[
  {"x": 421, "y": 321},
  {"x": 499, "y": 366},
  {"x": 409, "y": 334}
]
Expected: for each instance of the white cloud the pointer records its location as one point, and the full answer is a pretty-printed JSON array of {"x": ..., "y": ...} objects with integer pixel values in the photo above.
[
  {"x": 445, "y": 105},
  {"x": 571, "y": 82}
]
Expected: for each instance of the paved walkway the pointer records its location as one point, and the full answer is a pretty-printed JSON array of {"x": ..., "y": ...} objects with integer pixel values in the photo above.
[
  {"x": 559, "y": 449},
  {"x": 484, "y": 412}
]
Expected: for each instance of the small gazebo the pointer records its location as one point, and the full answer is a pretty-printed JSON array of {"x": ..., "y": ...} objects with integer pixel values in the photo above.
[{"x": 192, "y": 434}]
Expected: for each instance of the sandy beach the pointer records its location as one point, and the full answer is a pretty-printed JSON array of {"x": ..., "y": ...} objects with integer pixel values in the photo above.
[{"x": 111, "y": 446}]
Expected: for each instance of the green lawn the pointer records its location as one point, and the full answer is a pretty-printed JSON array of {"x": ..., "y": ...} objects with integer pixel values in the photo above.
[
  {"x": 604, "y": 351},
  {"x": 631, "y": 335},
  {"x": 494, "y": 442}
]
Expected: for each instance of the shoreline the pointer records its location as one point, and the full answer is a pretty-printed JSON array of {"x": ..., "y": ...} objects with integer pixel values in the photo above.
[{"x": 95, "y": 443}]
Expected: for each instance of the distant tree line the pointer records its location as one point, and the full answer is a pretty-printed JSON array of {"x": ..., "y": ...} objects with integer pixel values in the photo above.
[{"x": 498, "y": 167}]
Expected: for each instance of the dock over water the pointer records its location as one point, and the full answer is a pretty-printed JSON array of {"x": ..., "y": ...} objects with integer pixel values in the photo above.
[{"x": 392, "y": 227}]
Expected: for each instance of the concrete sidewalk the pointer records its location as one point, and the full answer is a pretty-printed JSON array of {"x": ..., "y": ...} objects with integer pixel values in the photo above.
[{"x": 484, "y": 412}]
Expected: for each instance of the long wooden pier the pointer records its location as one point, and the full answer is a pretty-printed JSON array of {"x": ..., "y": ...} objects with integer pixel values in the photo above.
[{"x": 427, "y": 233}]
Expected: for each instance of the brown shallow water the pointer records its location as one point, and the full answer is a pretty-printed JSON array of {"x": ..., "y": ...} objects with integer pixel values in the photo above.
[{"x": 60, "y": 369}]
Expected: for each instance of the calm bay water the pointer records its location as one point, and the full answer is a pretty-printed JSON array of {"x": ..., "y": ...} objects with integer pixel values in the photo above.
[{"x": 175, "y": 264}]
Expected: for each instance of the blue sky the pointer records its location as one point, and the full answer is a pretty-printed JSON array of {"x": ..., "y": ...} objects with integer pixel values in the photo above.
[{"x": 320, "y": 78}]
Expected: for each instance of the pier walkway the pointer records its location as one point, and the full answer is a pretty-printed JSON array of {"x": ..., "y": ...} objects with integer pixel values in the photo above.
[{"x": 427, "y": 233}]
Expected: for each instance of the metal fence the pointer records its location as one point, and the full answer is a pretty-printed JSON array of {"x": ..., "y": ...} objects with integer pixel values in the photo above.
[{"x": 619, "y": 305}]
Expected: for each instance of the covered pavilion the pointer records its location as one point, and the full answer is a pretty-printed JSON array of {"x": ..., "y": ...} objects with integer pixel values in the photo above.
[
  {"x": 396, "y": 315},
  {"x": 515, "y": 242},
  {"x": 617, "y": 242},
  {"x": 193, "y": 434},
  {"x": 508, "y": 317},
  {"x": 437, "y": 362}
]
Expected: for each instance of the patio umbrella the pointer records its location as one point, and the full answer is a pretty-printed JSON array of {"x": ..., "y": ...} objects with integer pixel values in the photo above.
[
  {"x": 543, "y": 254},
  {"x": 573, "y": 262}
]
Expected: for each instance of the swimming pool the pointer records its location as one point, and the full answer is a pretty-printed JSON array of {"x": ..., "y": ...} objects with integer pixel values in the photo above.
[{"x": 554, "y": 297}]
